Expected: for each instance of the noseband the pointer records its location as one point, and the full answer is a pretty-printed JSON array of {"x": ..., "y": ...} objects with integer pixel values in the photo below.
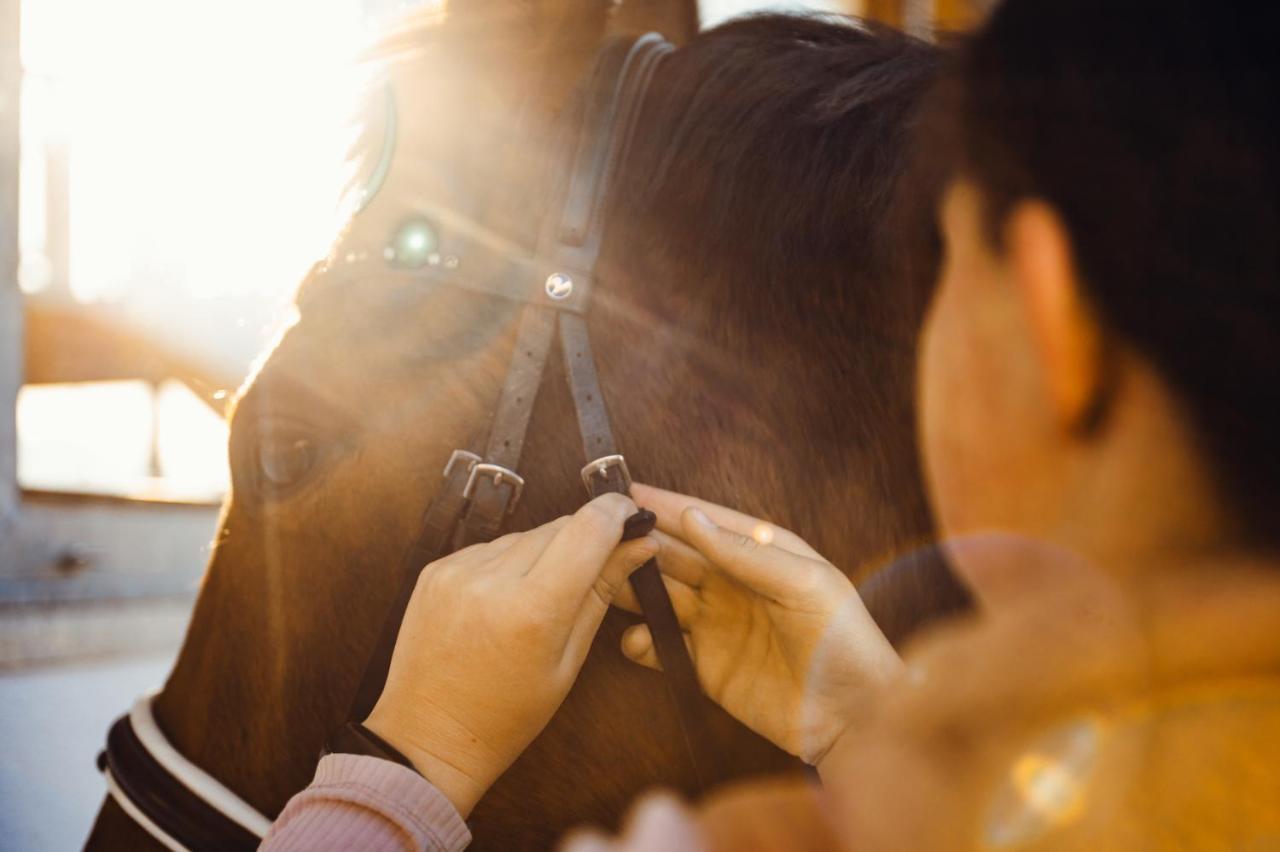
[{"x": 185, "y": 808}]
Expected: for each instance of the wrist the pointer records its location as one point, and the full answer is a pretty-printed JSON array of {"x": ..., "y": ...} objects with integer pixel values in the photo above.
[
  {"x": 462, "y": 783},
  {"x": 850, "y": 715}
]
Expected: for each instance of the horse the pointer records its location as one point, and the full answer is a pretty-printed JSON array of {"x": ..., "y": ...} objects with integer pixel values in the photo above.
[{"x": 769, "y": 259}]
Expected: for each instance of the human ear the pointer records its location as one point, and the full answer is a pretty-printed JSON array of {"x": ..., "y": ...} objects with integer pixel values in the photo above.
[{"x": 1067, "y": 334}]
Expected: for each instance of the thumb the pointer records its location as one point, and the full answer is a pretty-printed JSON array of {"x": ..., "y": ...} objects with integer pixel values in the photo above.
[
  {"x": 637, "y": 646},
  {"x": 764, "y": 569},
  {"x": 625, "y": 559}
]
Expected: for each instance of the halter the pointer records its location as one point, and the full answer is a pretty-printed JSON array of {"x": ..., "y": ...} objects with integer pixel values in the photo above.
[{"x": 182, "y": 806}]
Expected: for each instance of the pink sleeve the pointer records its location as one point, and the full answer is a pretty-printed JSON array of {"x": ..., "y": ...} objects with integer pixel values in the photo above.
[{"x": 358, "y": 802}]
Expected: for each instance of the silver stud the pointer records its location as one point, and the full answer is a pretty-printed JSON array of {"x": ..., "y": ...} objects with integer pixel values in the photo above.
[
  {"x": 433, "y": 259},
  {"x": 389, "y": 253},
  {"x": 559, "y": 286},
  {"x": 450, "y": 262}
]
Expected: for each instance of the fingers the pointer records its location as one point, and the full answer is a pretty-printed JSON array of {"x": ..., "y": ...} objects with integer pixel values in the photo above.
[
  {"x": 668, "y": 506},
  {"x": 613, "y": 577},
  {"x": 659, "y": 821},
  {"x": 625, "y": 559},
  {"x": 764, "y": 569},
  {"x": 518, "y": 552},
  {"x": 680, "y": 561},
  {"x": 637, "y": 646},
  {"x": 576, "y": 554}
]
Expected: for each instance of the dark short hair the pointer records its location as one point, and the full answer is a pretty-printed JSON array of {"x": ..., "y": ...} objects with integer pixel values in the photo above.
[{"x": 1152, "y": 128}]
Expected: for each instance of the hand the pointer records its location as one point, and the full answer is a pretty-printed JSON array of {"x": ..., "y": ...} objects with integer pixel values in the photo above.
[
  {"x": 493, "y": 637},
  {"x": 779, "y": 637}
]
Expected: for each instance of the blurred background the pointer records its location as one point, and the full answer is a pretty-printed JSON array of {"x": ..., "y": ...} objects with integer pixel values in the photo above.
[{"x": 168, "y": 171}]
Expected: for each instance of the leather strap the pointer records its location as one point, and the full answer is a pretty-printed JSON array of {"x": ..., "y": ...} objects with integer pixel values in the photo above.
[
  {"x": 588, "y": 400},
  {"x": 581, "y": 233},
  {"x": 493, "y": 494},
  {"x": 646, "y": 581},
  {"x": 355, "y": 738}
]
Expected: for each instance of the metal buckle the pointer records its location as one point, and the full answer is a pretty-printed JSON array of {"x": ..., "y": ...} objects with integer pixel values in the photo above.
[
  {"x": 500, "y": 474},
  {"x": 600, "y": 467},
  {"x": 461, "y": 456}
]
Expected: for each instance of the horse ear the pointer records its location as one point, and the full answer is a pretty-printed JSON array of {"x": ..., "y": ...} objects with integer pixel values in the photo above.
[{"x": 677, "y": 20}]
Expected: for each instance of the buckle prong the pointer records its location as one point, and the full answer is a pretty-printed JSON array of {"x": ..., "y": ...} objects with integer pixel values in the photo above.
[
  {"x": 600, "y": 467},
  {"x": 500, "y": 475},
  {"x": 466, "y": 457}
]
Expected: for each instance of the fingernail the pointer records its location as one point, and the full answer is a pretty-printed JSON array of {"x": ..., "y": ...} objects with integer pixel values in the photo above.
[{"x": 700, "y": 517}]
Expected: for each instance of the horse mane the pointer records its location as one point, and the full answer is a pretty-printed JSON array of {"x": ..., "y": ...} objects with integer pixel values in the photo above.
[
  {"x": 775, "y": 195},
  {"x": 779, "y": 147}
]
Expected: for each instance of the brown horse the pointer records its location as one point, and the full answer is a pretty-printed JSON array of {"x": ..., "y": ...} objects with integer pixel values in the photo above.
[{"x": 760, "y": 293}]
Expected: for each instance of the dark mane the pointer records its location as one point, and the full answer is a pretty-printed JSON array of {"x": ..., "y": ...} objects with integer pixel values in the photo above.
[
  {"x": 778, "y": 145},
  {"x": 770, "y": 208}
]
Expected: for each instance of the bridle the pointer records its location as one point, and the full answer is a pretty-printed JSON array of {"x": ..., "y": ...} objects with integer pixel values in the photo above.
[{"x": 185, "y": 808}]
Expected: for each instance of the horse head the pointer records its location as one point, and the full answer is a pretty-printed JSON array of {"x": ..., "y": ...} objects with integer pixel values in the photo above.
[{"x": 761, "y": 286}]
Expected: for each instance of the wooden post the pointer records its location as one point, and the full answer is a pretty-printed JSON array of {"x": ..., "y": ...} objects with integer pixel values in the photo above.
[
  {"x": 918, "y": 18},
  {"x": 960, "y": 15},
  {"x": 10, "y": 296},
  {"x": 886, "y": 11}
]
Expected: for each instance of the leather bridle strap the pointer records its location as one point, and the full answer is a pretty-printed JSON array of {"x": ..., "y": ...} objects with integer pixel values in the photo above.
[
  {"x": 495, "y": 487},
  {"x": 608, "y": 472},
  {"x": 581, "y": 235}
]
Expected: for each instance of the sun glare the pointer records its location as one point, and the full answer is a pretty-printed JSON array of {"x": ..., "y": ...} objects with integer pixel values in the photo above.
[
  {"x": 145, "y": 443},
  {"x": 182, "y": 166},
  {"x": 205, "y": 141}
]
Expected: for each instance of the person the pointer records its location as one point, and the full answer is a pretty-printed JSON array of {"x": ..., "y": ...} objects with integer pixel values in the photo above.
[{"x": 1099, "y": 387}]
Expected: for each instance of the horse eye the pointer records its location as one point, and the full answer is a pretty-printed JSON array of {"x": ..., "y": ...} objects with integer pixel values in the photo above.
[{"x": 285, "y": 460}]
